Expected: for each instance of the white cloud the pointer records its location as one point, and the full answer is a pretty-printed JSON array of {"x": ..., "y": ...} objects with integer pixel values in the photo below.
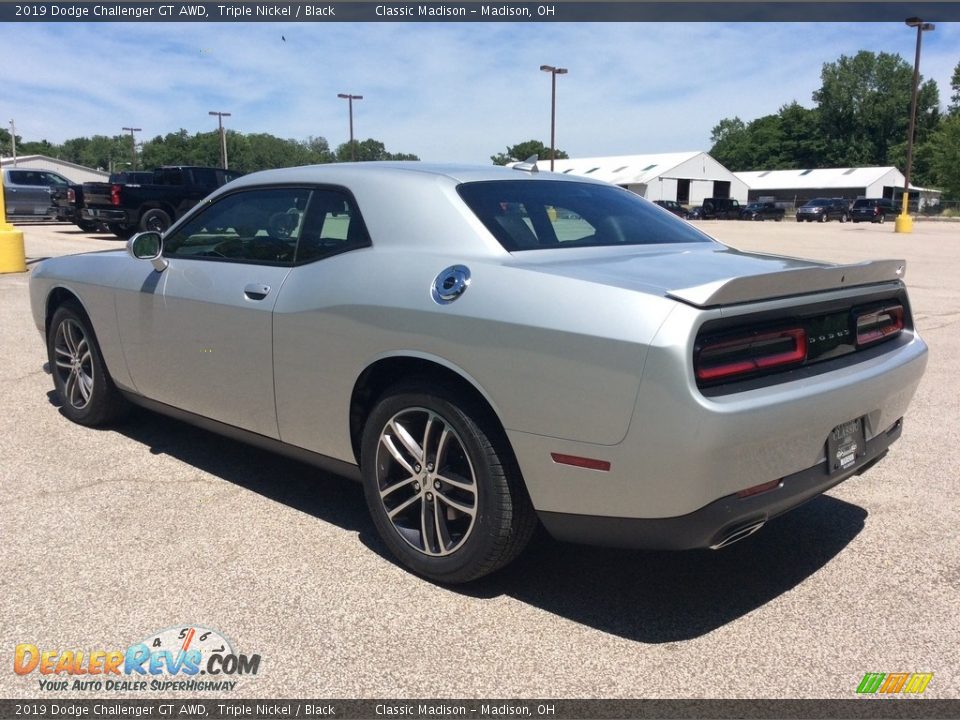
[{"x": 447, "y": 92}]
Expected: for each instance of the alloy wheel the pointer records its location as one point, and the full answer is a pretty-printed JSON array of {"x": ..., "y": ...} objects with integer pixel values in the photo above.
[
  {"x": 74, "y": 363},
  {"x": 426, "y": 482}
]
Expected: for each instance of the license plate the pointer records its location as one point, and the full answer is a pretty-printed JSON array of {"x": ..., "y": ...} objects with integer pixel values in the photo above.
[{"x": 846, "y": 443}]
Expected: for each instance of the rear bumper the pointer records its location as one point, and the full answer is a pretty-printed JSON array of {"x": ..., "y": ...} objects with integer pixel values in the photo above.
[
  {"x": 722, "y": 519},
  {"x": 107, "y": 216}
]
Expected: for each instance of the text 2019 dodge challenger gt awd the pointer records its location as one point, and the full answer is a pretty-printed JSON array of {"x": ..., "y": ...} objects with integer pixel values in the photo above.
[{"x": 490, "y": 347}]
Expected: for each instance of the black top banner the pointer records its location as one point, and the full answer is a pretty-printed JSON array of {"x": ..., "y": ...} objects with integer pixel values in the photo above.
[{"x": 561, "y": 11}]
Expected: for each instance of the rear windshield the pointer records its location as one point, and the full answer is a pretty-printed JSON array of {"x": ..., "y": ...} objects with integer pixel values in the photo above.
[{"x": 539, "y": 214}]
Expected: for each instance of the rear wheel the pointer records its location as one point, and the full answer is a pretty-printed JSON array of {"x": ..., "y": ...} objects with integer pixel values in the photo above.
[
  {"x": 80, "y": 376},
  {"x": 155, "y": 219},
  {"x": 441, "y": 483},
  {"x": 882, "y": 218}
]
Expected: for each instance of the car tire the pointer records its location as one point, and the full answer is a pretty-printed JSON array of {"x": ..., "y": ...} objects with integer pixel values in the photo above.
[
  {"x": 882, "y": 219},
  {"x": 87, "y": 226},
  {"x": 824, "y": 218},
  {"x": 121, "y": 231},
  {"x": 456, "y": 509},
  {"x": 843, "y": 218},
  {"x": 80, "y": 377},
  {"x": 155, "y": 220}
]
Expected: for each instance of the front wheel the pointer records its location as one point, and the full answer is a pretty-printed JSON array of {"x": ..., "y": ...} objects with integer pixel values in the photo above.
[
  {"x": 80, "y": 376},
  {"x": 441, "y": 483}
]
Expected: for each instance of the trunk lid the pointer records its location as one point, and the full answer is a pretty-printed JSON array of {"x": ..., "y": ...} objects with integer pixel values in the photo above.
[{"x": 709, "y": 275}]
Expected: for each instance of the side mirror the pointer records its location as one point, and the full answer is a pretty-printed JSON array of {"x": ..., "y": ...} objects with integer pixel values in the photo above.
[{"x": 148, "y": 246}]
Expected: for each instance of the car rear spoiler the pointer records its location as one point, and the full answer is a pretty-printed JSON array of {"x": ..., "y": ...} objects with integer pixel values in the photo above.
[{"x": 785, "y": 283}]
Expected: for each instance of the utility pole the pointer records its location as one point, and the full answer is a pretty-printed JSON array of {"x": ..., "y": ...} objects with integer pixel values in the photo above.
[
  {"x": 13, "y": 141},
  {"x": 133, "y": 146},
  {"x": 223, "y": 137},
  {"x": 350, "y": 98}
]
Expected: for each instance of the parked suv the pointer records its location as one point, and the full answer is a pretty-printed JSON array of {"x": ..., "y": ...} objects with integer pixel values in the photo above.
[
  {"x": 824, "y": 210},
  {"x": 872, "y": 210},
  {"x": 26, "y": 193},
  {"x": 717, "y": 209}
]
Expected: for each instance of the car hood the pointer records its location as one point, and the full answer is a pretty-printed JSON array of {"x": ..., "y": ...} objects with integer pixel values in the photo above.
[{"x": 708, "y": 275}]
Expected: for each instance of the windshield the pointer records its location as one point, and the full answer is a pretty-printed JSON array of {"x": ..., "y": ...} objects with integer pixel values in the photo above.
[
  {"x": 537, "y": 214},
  {"x": 819, "y": 202}
]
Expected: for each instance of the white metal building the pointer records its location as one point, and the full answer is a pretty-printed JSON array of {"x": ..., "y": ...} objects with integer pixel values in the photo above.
[
  {"x": 71, "y": 171},
  {"x": 798, "y": 186},
  {"x": 687, "y": 177}
]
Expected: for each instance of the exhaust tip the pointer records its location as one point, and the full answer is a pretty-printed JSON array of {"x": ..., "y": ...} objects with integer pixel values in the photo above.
[{"x": 739, "y": 534}]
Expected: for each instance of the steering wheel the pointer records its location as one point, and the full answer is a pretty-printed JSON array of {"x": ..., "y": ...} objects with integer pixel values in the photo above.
[{"x": 282, "y": 224}]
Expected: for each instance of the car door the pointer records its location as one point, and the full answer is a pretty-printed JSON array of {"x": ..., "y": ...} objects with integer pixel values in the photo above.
[
  {"x": 198, "y": 336},
  {"x": 26, "y": 194}
]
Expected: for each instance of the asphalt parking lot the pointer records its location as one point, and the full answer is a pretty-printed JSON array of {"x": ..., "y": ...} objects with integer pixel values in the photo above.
[{"x": 108, "y": 536}]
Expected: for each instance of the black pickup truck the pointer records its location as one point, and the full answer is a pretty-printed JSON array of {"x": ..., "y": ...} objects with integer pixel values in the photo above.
[
  {"x": 128, "y": 207},
  {"x": 69, "y": 200},
  {"x": 762, "y": 211}
]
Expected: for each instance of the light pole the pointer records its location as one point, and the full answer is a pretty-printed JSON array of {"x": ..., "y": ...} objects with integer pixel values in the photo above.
[
  {"x": 554, "y": 71},
  {"x": 904, "y": 223},
  {"x": 133, "y": 146},
  {"x": 350, "y": 98},
  {"x": 223, "y": 137}
]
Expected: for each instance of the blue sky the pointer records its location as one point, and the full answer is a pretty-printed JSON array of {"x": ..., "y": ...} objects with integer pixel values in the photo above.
[{"x": 446, "y": 92}]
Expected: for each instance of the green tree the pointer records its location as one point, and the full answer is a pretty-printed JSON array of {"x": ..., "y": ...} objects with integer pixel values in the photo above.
[
  {"x": 954, "y": 107},
  {"x": 367, "y": 150},
  {"x": 864, "y": 105},
  {"x": 945, "y": 164},
  {"x": 729, "y": 140},
  {"x": 802, "y": 142},
  {"x": 524, "y": 150}
]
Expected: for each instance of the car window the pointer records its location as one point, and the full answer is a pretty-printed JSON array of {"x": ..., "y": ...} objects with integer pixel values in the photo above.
[
  {"x": 535, "y": 214},
  {"x": 205, "y": 176},
  {"x": 27, "y": 177},
  {"x": 50, "y": 178},
  {"x": 332, "y": 225},
  {"x": 254, "y": 226}
]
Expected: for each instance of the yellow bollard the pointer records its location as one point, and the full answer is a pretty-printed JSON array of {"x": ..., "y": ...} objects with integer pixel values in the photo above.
[
  {"x": 903, "y": 223},
  {"x": 12, "y": 256}
]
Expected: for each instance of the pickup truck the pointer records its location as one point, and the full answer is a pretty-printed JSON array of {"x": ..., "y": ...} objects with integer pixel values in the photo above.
[
  {"x": 126, "y": 208},
  {"x": 762, "y": 211},
  {"x": 27, "y": 192},
  {"x": 69, "y": 200},
  {"x": 717, "y": 209}
]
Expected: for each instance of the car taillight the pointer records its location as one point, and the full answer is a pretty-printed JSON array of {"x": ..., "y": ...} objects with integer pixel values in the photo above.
[
  {"x": 727, "y": 358},
  {"x": 71, "y": 195},
  {"x": 878, "y": 324},
  {"x": 115, "y": 195}
]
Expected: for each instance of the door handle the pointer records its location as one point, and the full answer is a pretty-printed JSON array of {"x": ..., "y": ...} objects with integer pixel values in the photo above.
[{"x": 256, "y": 291}]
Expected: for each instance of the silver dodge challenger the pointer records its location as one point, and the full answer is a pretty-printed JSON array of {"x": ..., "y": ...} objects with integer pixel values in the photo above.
[{"x": 487, "y": 349}]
